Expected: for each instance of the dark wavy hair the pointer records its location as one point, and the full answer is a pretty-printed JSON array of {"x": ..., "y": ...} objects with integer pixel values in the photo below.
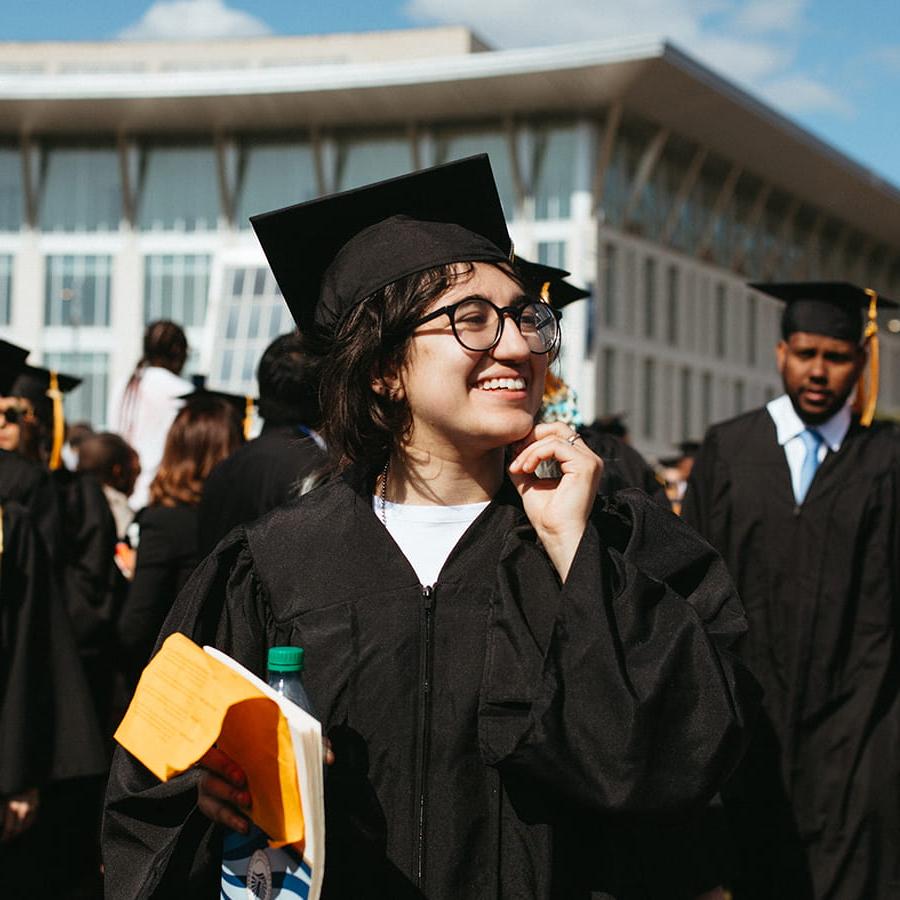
[
  {"x": 373, "y": 340},
  {"x": 204, "y": 432}
]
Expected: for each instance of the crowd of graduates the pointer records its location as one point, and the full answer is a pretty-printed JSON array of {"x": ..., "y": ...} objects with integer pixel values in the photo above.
[
  {"x": 92, "y": 562},
  {"x": 794, "y": 506}
]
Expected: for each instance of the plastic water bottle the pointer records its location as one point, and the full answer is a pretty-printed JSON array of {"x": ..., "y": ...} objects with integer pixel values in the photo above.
[
  {"x": 251, "y": 870},
  {"x": 285, "y": 675}
]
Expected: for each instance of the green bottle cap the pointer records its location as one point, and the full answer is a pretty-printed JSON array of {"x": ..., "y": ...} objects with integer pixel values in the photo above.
[{"x": 285, "y": 659}]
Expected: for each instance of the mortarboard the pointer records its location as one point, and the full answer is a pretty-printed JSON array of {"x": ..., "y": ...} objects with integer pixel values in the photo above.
[
  {"x": 12, "y": 359},
  {"x": 329, "y": 254},
  {"x": 242, "y": 404},
  {"x": 549, "y": 283},
  {"x": 835, "y": 309},
  {"x": 45, "y": 389}
]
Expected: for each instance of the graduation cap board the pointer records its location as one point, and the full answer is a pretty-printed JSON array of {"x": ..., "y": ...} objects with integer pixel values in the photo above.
[
  {"x": 835, "y": 309},
  {"x": 549, "y": 283},
  {"x": 242, "y": 404},
  {"x": 329, "y": 254}
]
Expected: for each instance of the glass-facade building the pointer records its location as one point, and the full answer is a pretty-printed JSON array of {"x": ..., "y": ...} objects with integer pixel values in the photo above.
[{"x": 103, "y": 232}]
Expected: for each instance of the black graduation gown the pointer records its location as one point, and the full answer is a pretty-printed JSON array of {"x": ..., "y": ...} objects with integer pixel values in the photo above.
[
  {"x": 30, "y": 484},
  {"x": 819, "y": 795},
  {"x": 49, "y": 737},
  {"x": 257, "y": 477},
  {"x": 166, "y": 557},
  {"x": 88, "y": 559},
  {"x": 494, "y": 732},
  {"x": 623, "y": 467}
]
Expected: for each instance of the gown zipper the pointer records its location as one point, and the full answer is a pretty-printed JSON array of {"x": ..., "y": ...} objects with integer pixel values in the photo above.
[{"x": 424, "y": 729}]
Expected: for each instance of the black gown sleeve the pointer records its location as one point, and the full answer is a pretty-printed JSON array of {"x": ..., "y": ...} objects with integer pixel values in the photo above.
[
  {"x": 155, "y": 842},
  {"x": 701, "y": 488},
  {"x": 47, "y": 726},
  {"x": 89, "y": 542},
  {"x": 622, "y": 696}
]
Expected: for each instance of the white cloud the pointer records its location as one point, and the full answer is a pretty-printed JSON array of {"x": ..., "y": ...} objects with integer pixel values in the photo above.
[
  {"x": 797, "y": 93},
  {"x": 193, "y": 20},
  {"x": 767, "y": 16},
  {"x": 751, "y": 42}
]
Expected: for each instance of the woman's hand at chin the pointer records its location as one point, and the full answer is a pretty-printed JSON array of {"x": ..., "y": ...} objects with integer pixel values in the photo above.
[{"x": 558, "y": 508}]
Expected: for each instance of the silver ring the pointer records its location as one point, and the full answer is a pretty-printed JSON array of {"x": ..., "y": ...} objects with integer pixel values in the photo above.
[{"x": 570, "y": 440}]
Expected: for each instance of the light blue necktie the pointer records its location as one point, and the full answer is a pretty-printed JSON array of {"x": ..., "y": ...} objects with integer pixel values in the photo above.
[{"x": 812, "y": 441}]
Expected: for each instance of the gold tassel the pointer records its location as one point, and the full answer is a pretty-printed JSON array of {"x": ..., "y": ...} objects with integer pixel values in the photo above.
[
  {"x": 248, "y": 417},
  {"x": 867, "y": 396},
  {"x": 545, "y": 292},
  {"x": 59, "y": 422}
]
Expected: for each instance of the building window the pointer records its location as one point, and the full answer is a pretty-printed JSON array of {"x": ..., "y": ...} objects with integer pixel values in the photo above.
[
  {"x": 12, "y": 203},
  {"x": 87, "y": 403},
  {"x": 687, "y": 406},
  {"x": 706, "y": 399},
  {"x": 460, "y": 144},
  {"x": 751, "y": 330},
  {"x": 738, "y": 396},
  {"x": 179, "y": 189},
  {"x": 272, "y": 176},
  {"x": 649, "y": 416},
  {"x": 253, "y": 315},
  {"x": 554, "y": 174},
  {"x": 81, "y": 190},
  {"x": 6, "y": 269},
  {"x": 552, "y": 253},
  {"x": 649, "y": 297},
  {"x": 366, "y": 159},
  {"x": 673, "y": 304},
  {"x": 610, "y": 286},
  {"x": 609, "y": 381},
  {"x": 176, "y": 287},
  {"x": 77, "y": 290},
  {"x": 721, "y": 321}
]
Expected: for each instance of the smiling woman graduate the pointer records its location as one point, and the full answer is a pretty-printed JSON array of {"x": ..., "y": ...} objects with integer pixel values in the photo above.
[{"x": 501, "y": 663}]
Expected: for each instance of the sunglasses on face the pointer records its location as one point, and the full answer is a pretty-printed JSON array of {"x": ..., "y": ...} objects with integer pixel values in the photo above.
[{"x": 14, "y": 415}]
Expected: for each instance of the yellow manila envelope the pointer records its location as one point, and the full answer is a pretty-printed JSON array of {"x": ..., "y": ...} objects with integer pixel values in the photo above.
[{"x": 186, "y": 701}]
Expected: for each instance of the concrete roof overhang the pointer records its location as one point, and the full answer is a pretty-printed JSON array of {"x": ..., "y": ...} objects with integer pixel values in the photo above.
[{"x": 650, "y": 77}]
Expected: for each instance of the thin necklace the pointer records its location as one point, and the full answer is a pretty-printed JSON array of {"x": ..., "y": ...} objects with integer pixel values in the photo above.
[{"x": 384, "y": 481}]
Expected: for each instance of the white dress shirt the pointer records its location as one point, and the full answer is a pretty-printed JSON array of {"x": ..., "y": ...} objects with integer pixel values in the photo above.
[{"x": 789, "y": 426}]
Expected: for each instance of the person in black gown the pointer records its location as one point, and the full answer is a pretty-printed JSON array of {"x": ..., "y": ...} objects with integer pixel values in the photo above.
[
  {"x": 802, "y": 498},
  {"x": 510, "y": 670},
  {"x": 204, "y": 433},
  {"x": 264, "y": 472}
]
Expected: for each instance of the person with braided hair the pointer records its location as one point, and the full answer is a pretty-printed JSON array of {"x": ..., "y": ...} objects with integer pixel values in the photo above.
[{"x": 151, "y": 400}]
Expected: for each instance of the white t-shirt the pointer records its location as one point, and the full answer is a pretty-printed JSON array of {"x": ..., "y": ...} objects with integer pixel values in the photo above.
[
  {"x": 144, "y": 422},
  {"x": 427, "y": 534}
]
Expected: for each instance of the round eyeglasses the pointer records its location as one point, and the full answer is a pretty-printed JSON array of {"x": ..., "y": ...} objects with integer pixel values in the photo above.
[{"x": 478, "y": 324}]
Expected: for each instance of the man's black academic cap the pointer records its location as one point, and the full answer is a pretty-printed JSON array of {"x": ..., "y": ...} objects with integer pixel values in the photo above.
[
  {"x": 831, "y": 308},
  {"x": 329, "y": 254},
  {"x": 549, "y": 283}
]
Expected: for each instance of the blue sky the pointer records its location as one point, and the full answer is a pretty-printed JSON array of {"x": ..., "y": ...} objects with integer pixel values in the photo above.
[{"x": 832, "y": 65}]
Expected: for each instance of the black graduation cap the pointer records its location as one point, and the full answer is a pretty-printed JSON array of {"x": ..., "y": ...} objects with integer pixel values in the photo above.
[
  {"x": 329, "y": 254},
  {"x": 549, "y": 283},
  {"x": 242, "y": 404},
  {"x": 831, "y": 308}
]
